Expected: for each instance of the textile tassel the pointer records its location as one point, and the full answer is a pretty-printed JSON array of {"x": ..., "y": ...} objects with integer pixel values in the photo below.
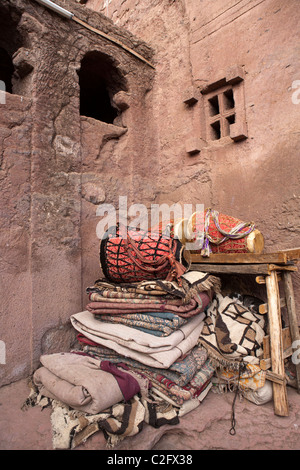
[
  {"x": 206, "y": 248},
  {"x": 177, "y": 269}
]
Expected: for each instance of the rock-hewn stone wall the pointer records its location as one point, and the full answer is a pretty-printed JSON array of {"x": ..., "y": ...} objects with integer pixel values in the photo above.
[
  {"x": 56, "y": 168},
  {"x": 197, "y": 44}
]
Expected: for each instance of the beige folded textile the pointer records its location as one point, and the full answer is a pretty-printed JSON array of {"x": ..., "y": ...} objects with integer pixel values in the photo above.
[
  {"x": 77, "y": 381},
  {"x": 156, "y": 351}
]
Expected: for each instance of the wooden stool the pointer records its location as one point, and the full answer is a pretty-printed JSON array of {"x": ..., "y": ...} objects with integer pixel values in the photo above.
[{"x": 270, "y": 269}]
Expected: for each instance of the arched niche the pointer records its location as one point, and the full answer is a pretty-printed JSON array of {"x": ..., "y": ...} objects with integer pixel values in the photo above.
[
  {"x": 6, "y": 70},
  {"x": 15, "y": 64},
  {"x": 99, "y": 81}
]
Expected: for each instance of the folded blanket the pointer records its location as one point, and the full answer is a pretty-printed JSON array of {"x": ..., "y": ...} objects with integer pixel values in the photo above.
[
  {"x": 143, "y": 289},
  {"x": 155, "y": 323},
  {"x": 180, "y": 372},
  {"x": 146, "y": 348},
  {"x": 201, "y": 377},
  {"x": 79, "y": 382},
  {"x": 194, "y": 307},
  {"x": 157, "y": 291},
  {"x": 178, "y": 395},
  {"x": 232, "y": 333},
  {"x": 192, "y": 284},
  {"x": 187, "y": 405},
  {"x": 133, "y": 299}
]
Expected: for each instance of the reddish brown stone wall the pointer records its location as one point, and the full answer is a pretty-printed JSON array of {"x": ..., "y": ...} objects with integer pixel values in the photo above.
[
  {"x": 56, "y": 168},
  {"x": 15, "y": 286},
  {"x": 197, "y": 44}
]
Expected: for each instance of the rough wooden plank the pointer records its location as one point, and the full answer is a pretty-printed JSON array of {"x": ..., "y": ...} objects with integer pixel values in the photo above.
[
  {"x": 240, "y": 268},
  {"x": 286, "y": 342},
  {"x": 283, "y": 267},
  {"x": 275, "y": 377},
  {"x": 281, "y": 406},
  {"x": 293, "y": 320},
  {"x": 279, "y": 257},
  {"x": 232, "y": 258},
  {"x": 263, "y": 308},
  {"x": 232, "y": 268},
  {"x": 265, "y": 364}
]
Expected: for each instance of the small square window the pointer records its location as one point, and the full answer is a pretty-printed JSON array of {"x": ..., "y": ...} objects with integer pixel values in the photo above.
[
  {"x": 221, "y": 113},
  {"x": 224, "y": 107}
]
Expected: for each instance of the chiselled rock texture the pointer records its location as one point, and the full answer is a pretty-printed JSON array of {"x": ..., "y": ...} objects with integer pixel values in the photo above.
[
  {"x": 57, "y": 167},
  {"x": 195, "y": 46},
  {"x": 201, "y": 44}
]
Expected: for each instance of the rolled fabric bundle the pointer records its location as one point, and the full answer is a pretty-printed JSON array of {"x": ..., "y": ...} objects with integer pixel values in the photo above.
[
  {"x": 79, "y": 382},
  {"x": 261, "y": 396}
]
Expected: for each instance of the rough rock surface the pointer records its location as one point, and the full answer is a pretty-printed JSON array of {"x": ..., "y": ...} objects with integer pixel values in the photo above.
[
  {"x": 56, "y": 167},
  {"x": 205, "y": 428},
  {"x": 195, "y": 43}
]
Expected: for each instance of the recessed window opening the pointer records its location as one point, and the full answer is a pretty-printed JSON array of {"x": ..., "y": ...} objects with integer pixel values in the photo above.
[
  {"x": 231, "y": 119},
  {"x": 227, "y": 122},
  {"x": 99, "y": 80},
  {"x": 228, "y": 99},
  {"x": 221, "y": 112},
  {"x": 10, "y": 42},
  {"x": 214, "y": 106},
  {"x": 6, "y": 70},
  {"x": 215, "y": 130},
  {"x": 224, "y": 108}
]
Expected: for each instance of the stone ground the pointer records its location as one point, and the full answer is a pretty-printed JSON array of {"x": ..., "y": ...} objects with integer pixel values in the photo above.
[{"x": 206, "y": 428}]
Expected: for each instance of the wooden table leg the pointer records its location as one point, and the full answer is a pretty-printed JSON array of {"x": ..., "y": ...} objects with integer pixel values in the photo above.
[
  {"x": 274, "y": 314},
  {"x": 293, "y": 322}
]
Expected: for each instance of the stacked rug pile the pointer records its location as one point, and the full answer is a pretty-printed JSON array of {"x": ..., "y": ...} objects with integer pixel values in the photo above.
[
  {"x": 138, "y": 360},
  {"x": 152, "y": 327},
  {"x": 148, "y": 352}
]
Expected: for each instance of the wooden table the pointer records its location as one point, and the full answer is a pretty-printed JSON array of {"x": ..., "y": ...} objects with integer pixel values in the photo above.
[{"x": 270, "y": 269}]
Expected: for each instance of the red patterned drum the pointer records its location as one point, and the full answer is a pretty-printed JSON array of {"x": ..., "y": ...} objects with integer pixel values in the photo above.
[
  {"x": 223, "y": 234},
  {"x": 134, "y": 256}
]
